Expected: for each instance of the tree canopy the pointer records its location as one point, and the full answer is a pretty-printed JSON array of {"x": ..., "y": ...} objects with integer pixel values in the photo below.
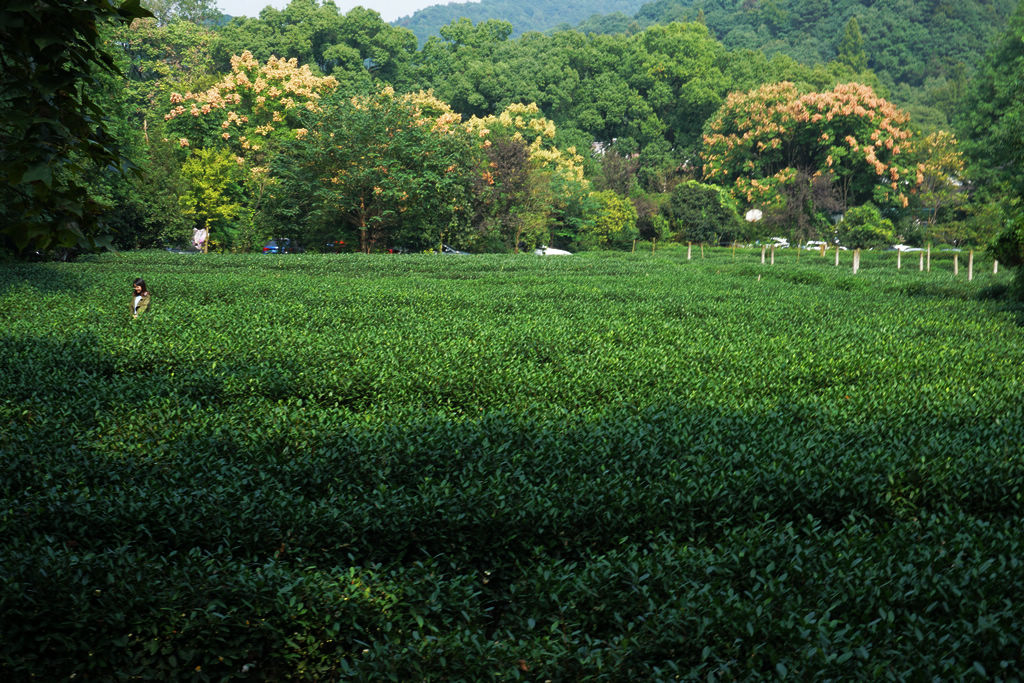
[
  {"x": 307, "y": 122},
  {"x": 51, "y": 125}
]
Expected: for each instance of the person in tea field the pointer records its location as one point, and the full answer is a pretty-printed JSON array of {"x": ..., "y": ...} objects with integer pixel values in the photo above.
[{"x": 140, "y": 297}]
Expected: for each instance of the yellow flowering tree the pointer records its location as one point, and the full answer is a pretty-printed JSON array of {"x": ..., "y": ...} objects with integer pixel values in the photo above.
[
  {"x": 529, "y": 184},
  {"x": 525, "y": 124},
  {"x": 940, "y": 174},
  {"x": 249, "y": 107}
]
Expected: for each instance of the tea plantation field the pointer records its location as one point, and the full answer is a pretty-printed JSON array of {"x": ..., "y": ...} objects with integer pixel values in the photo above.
[{"x": 614, "y": 467}]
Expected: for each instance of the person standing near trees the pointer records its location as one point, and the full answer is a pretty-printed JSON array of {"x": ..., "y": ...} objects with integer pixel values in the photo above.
[{"x": 140, "y": 297}]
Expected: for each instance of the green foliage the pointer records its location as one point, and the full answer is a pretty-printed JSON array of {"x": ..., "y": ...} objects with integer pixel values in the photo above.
[
  {"x": 904, "y": 42},
  {"x": 993, "y": 123},
  {"x": 212, "y": 197},
  {"x": 863, "y": 227},
  {"x": 395, "y": 169},
  {"x": 356, "y": 48},
  {"x": 52, "y": 134},
  {"x": 702, "y": 213},
  {"x": 422, "y": 467},
  {"x": 159, "y": 59},
  {"x": 649, "y": 93},
  {"x": 851, "y": 47},
  {"x": 184, "y": 11},
  {"x": 1008, "y": 244},
  {"x": 611, "y": 221},
  {"x": 977, "y": 224},
  {"x": 643, "y": 95}
]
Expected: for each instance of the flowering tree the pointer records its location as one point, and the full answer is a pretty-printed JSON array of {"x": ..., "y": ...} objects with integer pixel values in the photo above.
[
  {"x": 762, "y": 140},
  {"x": 252, "y": 104},
  {"x": 251, "y": 110},
  {"x": 524, "y": 123},
  {"x": 529, "y": 181}
]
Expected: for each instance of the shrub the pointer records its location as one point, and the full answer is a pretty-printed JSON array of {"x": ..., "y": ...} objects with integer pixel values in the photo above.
[{"x": 863, "y": 227}]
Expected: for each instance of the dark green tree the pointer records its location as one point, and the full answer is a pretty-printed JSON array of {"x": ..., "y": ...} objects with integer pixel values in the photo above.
[
  {"x": 702, "y": 213},
  {"x": 195, "y": 11},
  {"x": 993, "y": 136},
  {"x": 851, "y": 47},
  {"x": 394, "y": 170},
  {"x": 52, "y": 129}
]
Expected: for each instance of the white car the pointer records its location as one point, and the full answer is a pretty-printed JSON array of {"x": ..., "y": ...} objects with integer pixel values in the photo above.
[
  {"x": 904, "y": 247},
  {"x": 551, "y": 251}
]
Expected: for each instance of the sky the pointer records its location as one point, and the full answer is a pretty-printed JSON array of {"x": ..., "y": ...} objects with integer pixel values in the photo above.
[{"x": 389, "y": 9}]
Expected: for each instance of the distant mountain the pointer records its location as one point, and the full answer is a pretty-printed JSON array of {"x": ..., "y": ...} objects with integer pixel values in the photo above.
[{"x": 524, "y": 15}]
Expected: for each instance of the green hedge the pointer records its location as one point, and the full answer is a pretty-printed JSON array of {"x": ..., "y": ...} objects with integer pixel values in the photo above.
[{"x": 623, "y": 467}]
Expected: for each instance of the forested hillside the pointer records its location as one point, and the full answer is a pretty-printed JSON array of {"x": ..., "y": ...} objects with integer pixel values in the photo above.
[
  {"x": 904, "y": 41},
  {"x": 526, "y": 16},
  {"x": 923, "y": 51}
]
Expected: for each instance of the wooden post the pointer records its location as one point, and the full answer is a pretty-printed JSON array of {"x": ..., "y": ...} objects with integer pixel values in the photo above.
[
  {"x": 956, "y": 264},
  {"x": 702, "y": 250},
  {"x": 856, "y": 261},
  {"x": 821, "y": 249},
  {"x": 689, "y": 250},
  {"x": 920, "y": 264},
  {"x": 899, "y": 259},
  {"x": 970, "y": 266},
  {"x": 837, "y": 254},
  {"x": 995, "y": 267},
  {"x": 799, "y": 248},
  {"x": 654, "y": 244},
  {"x": 734, "y": 251},
  {"x": 634, "y": 247},
  {"x": 773, "y": 255},
  {"x": 763, "y": 248},
  {"x": 929, "y": 268}
]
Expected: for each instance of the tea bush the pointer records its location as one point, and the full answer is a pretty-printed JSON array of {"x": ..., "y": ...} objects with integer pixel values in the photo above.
[{"x": 622, "y": 467}]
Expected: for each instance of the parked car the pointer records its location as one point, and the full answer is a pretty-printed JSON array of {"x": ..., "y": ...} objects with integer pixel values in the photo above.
[
  {"x": 904, "y": 247},
  {"x": 282, "y": 246},
  {"x": 551, "y": 251},
  {"x": 445, "y": 249}
]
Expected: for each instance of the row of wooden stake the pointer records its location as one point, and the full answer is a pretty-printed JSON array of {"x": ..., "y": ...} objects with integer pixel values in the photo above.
[{"x": 925, "y": 261}]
